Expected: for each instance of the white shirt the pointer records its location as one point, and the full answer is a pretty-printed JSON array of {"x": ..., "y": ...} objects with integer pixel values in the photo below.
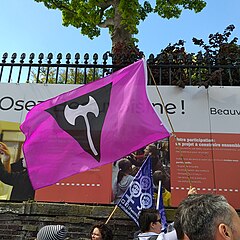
[{"x": 162, "y": 236}]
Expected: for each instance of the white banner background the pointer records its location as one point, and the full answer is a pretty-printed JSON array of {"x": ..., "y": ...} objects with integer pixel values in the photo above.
[{"x": 192, "y": 109}]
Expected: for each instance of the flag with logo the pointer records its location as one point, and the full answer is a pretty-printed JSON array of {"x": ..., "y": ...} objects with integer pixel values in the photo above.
[
  {"x": 139, "y": 194},
  {"x": 92, "y": 125}
]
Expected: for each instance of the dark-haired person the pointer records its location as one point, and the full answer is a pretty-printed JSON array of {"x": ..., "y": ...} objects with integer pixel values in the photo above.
[
  {"x": 124, "y": 179},
  {"x": 21, "y": 185},
  {"x": 101, "y": 232},
  {"x": 152, "y": 150},
  {"x": 166, "y": 195},
  {"x": 206, "y": 217},
  {"x": 150, "y": 226}
]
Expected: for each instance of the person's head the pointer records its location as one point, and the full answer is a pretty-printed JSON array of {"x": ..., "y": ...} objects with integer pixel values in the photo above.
[
  {"x": 151, "y": 149},
  {"x": 164, "y": 146},
  {"x": 149, "y": 221},
  {"x": 125, "y": 168},
  {"x": 101, "y": 232},
  {"x": 159, "y": 176},
  {"x": 52, "y": 232},
  {"x": 207, "y": 216}
]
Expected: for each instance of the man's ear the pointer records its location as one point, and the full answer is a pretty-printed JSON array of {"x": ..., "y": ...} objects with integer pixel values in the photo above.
[
  {"x": 152, "y": 226},
  {"x": 224, "y": 231}
]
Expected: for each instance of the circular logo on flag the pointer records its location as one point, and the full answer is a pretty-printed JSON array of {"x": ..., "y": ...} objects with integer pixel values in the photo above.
[
  {"x": 145, "y": 182},
  {"x": 146, "y": 200},
  {"x": 135, "y": 189}
]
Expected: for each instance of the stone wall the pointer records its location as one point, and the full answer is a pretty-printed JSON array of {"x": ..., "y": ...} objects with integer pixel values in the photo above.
[{"x": 20, "y": 221}]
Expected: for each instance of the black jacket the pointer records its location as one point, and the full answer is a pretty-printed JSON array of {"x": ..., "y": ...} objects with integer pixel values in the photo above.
[{"x": 22, "y": 187}]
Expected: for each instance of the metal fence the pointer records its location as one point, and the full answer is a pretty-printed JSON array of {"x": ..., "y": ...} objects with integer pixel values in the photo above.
[{"x": 180, "y": 70}]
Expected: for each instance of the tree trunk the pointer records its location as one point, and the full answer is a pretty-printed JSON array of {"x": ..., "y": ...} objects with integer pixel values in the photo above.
[{"x": 122, "y": 43}]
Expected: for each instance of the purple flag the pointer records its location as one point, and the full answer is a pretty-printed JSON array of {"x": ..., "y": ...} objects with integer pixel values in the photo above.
[{"x": 90, "y": 126}]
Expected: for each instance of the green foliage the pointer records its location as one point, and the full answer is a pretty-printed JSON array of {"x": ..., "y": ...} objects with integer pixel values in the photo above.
[
  {"x": 218, "y": 64},
  {"x": 173, "y": 8},
  {"x": 128, "y": 9},
  {"x": 219, "y": 47},
  {"x": 220, "y": 50},
  {"x": 61, "y": 76},
  {"x": 91, "y": 15}
]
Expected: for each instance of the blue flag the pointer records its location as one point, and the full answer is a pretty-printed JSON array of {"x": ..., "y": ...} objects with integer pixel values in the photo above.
[
  {"x": 139, "y": 194},
  {"x": 161, "y": 209}
]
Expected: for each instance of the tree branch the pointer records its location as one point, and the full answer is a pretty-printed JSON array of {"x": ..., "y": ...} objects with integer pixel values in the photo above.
[
  {"x": 106, "y": 4},
  {"x": 106, "y": 23},
  {"x": 103, "y": 7}
]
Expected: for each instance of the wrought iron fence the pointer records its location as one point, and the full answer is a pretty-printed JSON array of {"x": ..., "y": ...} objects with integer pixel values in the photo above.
[{"x": 180, "y": 70}]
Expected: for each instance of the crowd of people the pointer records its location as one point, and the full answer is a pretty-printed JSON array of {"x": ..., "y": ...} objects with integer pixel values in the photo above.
[
  {"x": 198, "y": 217},
  {"x": 99, "y": 231},
  {"x": 129, "y": 166}
]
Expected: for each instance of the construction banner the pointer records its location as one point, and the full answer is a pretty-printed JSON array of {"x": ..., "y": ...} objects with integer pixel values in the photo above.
[{"x": 206, "y": 145}]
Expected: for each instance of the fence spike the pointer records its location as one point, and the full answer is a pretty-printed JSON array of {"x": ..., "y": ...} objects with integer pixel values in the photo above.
[
  {"x": 77, "y": 57},
  {"x": 68, "y": 57},
  {"x": 22, "y": 57},
  {"x": 40, "y": 57},
  {"x": 31, "y": 57},
  {"x": 105, "y": 57},
  {"x": 49, "y": 57},
  {"x": 14, "y": 56},
  {"x": 95, "y": 58},
  {"x": 5, "y": 55},
  {"x": 151, "y": 59},
  {"x": 86, "y": 58},
  {"x": 59, "y": 58}
]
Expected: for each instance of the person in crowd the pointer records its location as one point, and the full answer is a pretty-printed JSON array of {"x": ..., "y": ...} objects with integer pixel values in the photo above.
[
  {"x": 124, "y": 179},
  {"x": 150, "y": 226},
  {"x": 206, "y": 216},
  {"x": 160, "y": 176},
  {"x": 165, "y": 154},
  {"x": 157, "y": 165},
  {"x": 101, "y": 232},
  {"x": 5, "y": 156},
  {"x": 152, "y": 150},
  {"x": 52, "y": 232},
  {"x": 21, "y": 185},
  {"x": 137, "y": 157},
  {"x": 149, "y": 231}
]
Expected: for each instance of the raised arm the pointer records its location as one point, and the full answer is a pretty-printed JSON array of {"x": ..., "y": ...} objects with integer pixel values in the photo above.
[{"x": 6, "y": 156}]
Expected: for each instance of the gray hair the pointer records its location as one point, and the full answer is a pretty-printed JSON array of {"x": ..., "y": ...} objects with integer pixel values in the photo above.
[{"x": 198, "y": 216}]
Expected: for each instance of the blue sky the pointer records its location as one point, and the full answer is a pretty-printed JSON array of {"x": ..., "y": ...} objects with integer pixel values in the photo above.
[{"x": 28, "y": 26}]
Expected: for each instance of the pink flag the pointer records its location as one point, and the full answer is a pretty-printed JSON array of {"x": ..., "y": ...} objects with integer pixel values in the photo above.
[{"x": 90, "y": 126}]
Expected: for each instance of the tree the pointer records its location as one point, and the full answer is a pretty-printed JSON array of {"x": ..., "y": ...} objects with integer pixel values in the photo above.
[
  {"x": 62, "y": 76},
  {"x": 217, "y": 64},
  {"x": 121, "y": 17},
  {"x": 221, "y": 51}
]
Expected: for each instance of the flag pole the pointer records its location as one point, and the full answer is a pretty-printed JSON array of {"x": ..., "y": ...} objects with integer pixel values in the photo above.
[
  {"x": 159, "y": 193},
  {"x": 170, "y": 123},
  {"x": 113, "y": 211}
]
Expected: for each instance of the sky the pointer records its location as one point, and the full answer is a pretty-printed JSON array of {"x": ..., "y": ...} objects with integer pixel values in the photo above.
[{"x": 28, "y": 26}]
